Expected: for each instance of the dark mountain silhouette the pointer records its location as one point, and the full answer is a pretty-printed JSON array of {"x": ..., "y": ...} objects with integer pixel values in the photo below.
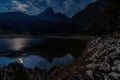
[
  {"x": 102, "y": 16},
  {"x": 50, "y": 15},
  {"x": 13, "y": 21},
  {"x": 46, "y": 22},
  {"x": 98, "y": 17},
  {"x": 82, "y": 20}
]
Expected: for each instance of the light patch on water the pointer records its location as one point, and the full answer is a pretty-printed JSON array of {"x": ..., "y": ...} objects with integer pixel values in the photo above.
[{"x": 17, "y": 43}]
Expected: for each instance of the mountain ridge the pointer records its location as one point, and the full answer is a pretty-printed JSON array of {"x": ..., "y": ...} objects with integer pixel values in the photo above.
[
  {"x": 100, "y": 17},
  {"x": 19, "y": 22}
]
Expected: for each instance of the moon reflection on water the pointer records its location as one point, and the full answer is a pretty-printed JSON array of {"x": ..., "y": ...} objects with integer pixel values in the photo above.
[{"x": 17, "y": 43}]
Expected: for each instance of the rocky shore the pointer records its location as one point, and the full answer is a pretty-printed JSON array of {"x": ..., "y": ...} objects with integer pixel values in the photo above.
[
  {"x": 100, "y": 61},
  {"x": 16, "y": 71}
]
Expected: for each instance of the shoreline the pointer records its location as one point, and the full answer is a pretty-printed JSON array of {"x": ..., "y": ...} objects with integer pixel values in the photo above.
[{"x": 81, "y": 37}]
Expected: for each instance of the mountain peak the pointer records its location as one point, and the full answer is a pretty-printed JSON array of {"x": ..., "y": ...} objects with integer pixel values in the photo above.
[
  {"x": 49, "y": 10},
  {"x": 50, "y": 15}
]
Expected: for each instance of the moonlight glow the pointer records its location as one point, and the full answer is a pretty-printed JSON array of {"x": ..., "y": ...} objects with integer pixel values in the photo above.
[{"x": 17, "y": 43}]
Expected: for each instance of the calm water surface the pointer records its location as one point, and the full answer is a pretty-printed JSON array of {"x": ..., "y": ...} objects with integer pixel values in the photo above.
[{"x": 44, "y": 48}]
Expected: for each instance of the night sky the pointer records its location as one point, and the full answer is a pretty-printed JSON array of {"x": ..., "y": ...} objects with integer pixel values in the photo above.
[{"x": 34, "y": 7}]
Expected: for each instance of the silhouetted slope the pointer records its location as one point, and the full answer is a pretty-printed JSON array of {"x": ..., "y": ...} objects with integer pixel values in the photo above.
[
  {"x": 98, "y": 17},
  {"x": 102, "y": 16},
  {"x": 46, "y": 22}
]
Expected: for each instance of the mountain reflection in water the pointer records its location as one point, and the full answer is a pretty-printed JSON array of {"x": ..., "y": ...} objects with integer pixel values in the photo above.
[
  {"x": 42, "y": 52},
  {"x": 37, "y": 61}
]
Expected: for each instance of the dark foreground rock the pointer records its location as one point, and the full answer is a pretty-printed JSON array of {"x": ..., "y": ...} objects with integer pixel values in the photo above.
[
  {"x": 100, "y": 61},
  {"x": 16, "y": 71}
]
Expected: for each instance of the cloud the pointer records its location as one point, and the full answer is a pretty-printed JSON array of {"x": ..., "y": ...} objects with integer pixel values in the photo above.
[
  {"x": 18, "y": 6},
  {"x": 32, "y": 10},
  {"x": 71, "y": 7},
  {"x": 68, "y": 7},
  {"x": 27, "y": 8},
  {"x": 4, "y": 9},
  {"x": 34, "y": 7}
]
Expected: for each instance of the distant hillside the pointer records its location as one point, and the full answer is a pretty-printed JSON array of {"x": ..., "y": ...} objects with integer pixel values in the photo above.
[
  {"x": 99, "y": 17},
  {"x": 44, "y": 23}
]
